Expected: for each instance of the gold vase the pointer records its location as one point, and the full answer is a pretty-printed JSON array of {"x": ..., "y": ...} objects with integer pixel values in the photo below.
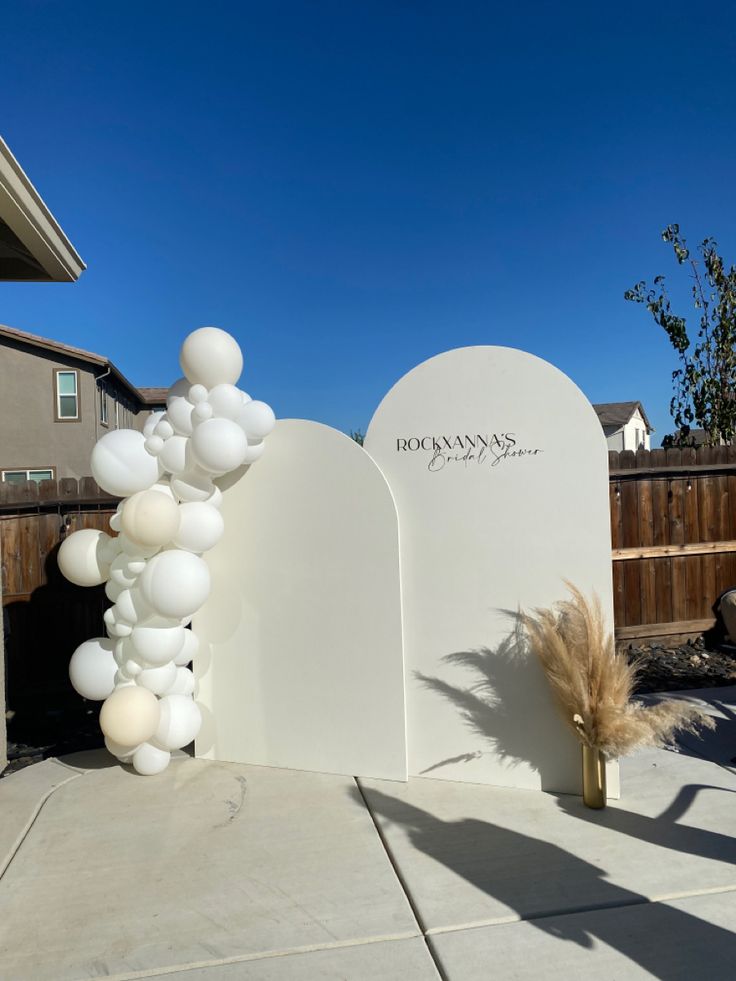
[{"x": 594, "y": 777}]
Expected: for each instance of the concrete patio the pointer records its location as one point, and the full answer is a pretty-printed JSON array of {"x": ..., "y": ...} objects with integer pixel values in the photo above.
[{"x": 219, "y": 871}]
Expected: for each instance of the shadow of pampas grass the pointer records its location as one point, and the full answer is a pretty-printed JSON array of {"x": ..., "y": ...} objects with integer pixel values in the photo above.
[{"x": 592, "y": 685}]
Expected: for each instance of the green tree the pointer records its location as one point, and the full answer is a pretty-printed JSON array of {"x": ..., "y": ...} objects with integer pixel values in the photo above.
[{"x": 705, "y": 382}]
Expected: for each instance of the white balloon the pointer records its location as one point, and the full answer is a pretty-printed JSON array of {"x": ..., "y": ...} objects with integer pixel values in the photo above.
[
  {"x": 115, "y": 624},
  {"x": 192, "y": 485},
  {"x": 163, "y": 486},
  {"x": 179, "y": 390},
  {"x": 175, "y": 583},
  {"x": 180, "y": 721},
  {"x": 210, "y": 356},
  {"x": 130, "y": 716},
  {"x": 254, "y": 451},
  {"x": 179, "y": 414},
  {"x": 150, "y": 518},
  {"x": 92, "y": 669},
  {"x": 157, "y": 645},
  {"x": 257, "y": 419},
  {"x": 173, "y": 456},
  {"x": 215, "y": 498},
  {"x": 225, "y": 401},
  {"x": 201, "y": 413},
  {"x": 134, "y": 550},
  {"x": 109, "y": 550},
  {"x": 152, "y": 421},
  {"x": 115, "y": 521},
  {"x": 113, "y": 590},
  {"x": 188, "y": 650},
  {"x": 131, "y": 607},
  {"x": 122, "y": 678},
  {"x": 158, "y": 680},
  {"x": 184, "y": 683},
  {"x": 164, "y": 429},
  {"x": 121, "y": 465},
  {"x": 219, "y": 445},
  {"x": 81, "y": 557},
  {"x": 201, "y": 526},
  {"x": 153, "y": 445},
  {"x": 123, "y": 753},
  {"x": 149, "y": 760},
  {"x": 197, "y": 394},
  {"x": 124, "y": 570},
  {"x": 132, "y": 669}
]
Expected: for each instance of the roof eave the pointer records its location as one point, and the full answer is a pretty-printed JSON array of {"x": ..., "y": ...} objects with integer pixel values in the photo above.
[{"x": 24, "y": 212}]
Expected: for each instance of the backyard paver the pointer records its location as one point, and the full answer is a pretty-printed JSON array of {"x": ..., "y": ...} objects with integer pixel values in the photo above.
[
  {"x": 473, "y": 855},
  {"x": 207, "y": 861},
  {"x": 675, "y": 941}
]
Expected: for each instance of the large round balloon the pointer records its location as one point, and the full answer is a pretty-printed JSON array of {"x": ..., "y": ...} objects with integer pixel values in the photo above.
[
  {"x": 121, "y": 465},
  {"x": 82, "y": 557},
  {"x": 92, "y": 669},
  {"x": 175, "y": 583},
  {"x": 179, "y": 723},
  {"x": 219, "y": 445},
  {"x": 130, "y": 716},
  {"x": 157, "y": 645},
  {"x": 256, "y": 418},
  {"x": 201, "y": 526},
  {"x": 150, "y": 518},
  {"x": 210, "y": 356}
]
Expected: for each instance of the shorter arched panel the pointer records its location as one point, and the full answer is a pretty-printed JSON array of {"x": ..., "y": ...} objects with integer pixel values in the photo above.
[{"x": 302, "y": 662}]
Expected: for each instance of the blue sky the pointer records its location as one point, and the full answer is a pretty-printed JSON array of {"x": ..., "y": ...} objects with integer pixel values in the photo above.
[{"x": 350, "y": 188}]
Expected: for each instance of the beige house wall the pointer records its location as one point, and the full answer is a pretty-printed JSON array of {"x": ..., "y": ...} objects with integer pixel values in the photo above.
[{"x": 31, "y": 437}]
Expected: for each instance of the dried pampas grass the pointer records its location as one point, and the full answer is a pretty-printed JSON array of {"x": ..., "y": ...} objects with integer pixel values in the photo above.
[{"x": 592, "y": 684}]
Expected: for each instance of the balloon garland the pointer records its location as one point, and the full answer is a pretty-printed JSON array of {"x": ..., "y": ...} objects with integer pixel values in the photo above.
[{"x": 153, "y": 568}]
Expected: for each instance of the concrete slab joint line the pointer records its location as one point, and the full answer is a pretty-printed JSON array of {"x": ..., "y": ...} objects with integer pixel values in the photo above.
[
  {"x": 15, "y": 848},
  {"x": 403, "y": 884}
]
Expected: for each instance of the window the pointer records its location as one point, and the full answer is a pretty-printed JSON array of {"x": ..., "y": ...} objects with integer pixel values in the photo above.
[
  {"x": 67, "y": 395},
  {"x": 103, "y": 407},
  {"x": 19, "y": 476}
]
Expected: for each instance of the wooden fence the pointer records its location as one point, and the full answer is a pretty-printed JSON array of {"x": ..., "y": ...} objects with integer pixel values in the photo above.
[
  {"x": 673, "y": 529},
  {"x": 45, "y": 617}
]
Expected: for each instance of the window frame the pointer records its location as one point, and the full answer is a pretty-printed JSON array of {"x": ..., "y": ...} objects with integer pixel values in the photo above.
[
  {"x": 27, "y": 471},
  {"x": 58, "y": 395}
]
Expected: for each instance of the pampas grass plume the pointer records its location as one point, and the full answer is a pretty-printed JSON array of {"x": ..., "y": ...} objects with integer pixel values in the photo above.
[{"x": 592, "y": 684}]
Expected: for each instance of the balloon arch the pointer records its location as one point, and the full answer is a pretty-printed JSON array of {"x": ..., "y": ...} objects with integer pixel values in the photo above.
[{"x": 153, "y": 568}]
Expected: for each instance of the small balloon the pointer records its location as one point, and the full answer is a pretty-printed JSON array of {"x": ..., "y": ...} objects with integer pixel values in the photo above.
[
  {"x": 158, "y": 680},
  {"x": 219, "y": 445},
  {"x": 225, "y": 401},
  {"x": 257, "y": 419},
  {"x": 175, "y": 583},
  {"x": 188, "y": 650},
  {"x": 201, "y": 526},
  {"x": 179, "y": 723},
  {"x": 173, "y": 456},
  {"x": 157, "y": 645},
  {"x": 149, "y": 760}
]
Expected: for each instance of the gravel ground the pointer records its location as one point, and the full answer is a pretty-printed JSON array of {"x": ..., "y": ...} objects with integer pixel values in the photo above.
[{"x": 691, "y": 665}]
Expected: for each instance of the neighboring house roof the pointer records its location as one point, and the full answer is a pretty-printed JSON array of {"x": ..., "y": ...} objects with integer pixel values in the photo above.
[
  {"x": 154, "y": 396},
  {"x": 33, "y": 246},
  {"x": 79, "y": 354},
  {"x": 619, "y": 413}
]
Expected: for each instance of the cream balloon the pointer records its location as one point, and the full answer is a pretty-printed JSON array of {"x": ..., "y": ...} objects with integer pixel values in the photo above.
[
  {"x": 121, "y": 465},
  {"x": 81, "y": 557},
  {"x": 179, "y": 723},
  {"x": 210, "y": 356},
  {"x": 92, "y": 669},
  {"x": 150, "y": 518},
  {"x": 149, "y": 760},
  {"x": 131, "y": 715},
  {"x": 175, "y": 583},
  {"x": 219, "y": 445},
  {"x": 201, "y": 526}
]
